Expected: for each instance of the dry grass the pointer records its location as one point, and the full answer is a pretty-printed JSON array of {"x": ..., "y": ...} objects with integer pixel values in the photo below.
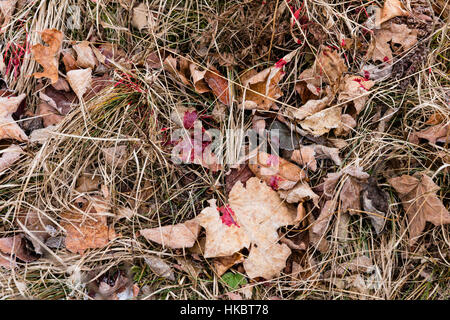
[{"x": 160, "y": 192}]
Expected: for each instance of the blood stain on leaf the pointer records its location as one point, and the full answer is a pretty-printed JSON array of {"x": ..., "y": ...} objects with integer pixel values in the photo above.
[
  {"x": 280, "y": 174},
  {"x": 48, "y": 56}
]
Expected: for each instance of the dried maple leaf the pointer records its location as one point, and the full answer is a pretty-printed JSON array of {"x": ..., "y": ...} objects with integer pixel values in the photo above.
[
  {"x": 277, "y": 172},
  {"x": 85, "y": 55},
  {"x": 9, "y": 129},
  {"x": 257, "y": 212},
  {"x": 322, "y": 122},
  {"x": 356, "y": 90},
  {"x": 87, "y": 229},
  {"x": 9, "y": 156},
  {"x": 421, "y": 204},
  {"x": 261, "y": 90},
  {"x": 391, "y": 9},
  {"x": 80, "y": 81},
  {"x": 181, "y": 235},
  {"x": 48, "y": 56}
]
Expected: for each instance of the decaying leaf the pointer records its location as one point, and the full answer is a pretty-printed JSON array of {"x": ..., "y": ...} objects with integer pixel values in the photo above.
[
  {"x": 182, "y": 235},
  {"x": 85, "y": 55},
  {"x": 375, "y": 203},
  {"x": 436, "y": 133},
  {"x": 9, "y": 156},
  {"x": 421, "y": 204},
  {"x": 12, "y": 248},
  {"x": 391, "y": 9},
  {"x": 398, "y": 34},
  {"x": 252, "y": 218},
  {"x": 222, "y": 264},
  {"x": 242, "y": 173},
  {"x": 307, "y": 155},
  {"x": 261, "y": 90},
  {"x": 115, "y": 156},
  {"x": 87, "y": 183},
  {"x": 356, "y": 90},
  {"x": 9, "y": 129},
  {"x": 312, "y": 106},
  {"x": 80, "y": 80},
  {"x": 323, "y": 121},
  {"x": 277, "y": 172},
  {"x": 39, "y": 226},
  {"x": 318, "y": 228},
  {"x": 142, "y": 17},
  {"x": 299, "y": 193},
  {"x": 50, "y": 116},
  {"x": 48, "y": 56},
  {"x": 159, "y": 267},
  {"x": 7, "y": 8},
  {"x": 328, "y": 68},
  {"x": 87, "y": 229},
  {"x": 184, "y": 117},
  {"x": 218, "y": 85}
]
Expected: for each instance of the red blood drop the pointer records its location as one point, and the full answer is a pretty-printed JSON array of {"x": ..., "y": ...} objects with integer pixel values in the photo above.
[{"x": 228, "y": 216}]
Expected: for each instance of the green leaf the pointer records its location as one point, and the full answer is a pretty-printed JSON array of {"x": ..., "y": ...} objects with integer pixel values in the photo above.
[{"x": 234, "y": 280}]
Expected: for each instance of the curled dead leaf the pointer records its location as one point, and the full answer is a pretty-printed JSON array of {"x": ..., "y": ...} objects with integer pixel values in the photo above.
[{"x": 48, "y": 56}]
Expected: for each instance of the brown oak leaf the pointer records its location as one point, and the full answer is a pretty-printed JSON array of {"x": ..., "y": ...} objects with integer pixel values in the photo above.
[{"x": 48, "y": 56}]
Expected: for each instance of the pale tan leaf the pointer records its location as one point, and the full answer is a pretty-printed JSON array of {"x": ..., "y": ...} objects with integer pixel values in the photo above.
[
  {"x": 391, "y": 9},
  {"x": 9, "y": 129},
  {"x": 355, "y": 89},
  {"x": 299, "y": 193},
  {"x": 323, "y": 121},
  {"x": 222, "y": 264},
  {"x": 182, "y": 235},
  {"x": 85, "y": 55},
  {"x": 80, "y": 81},
  {"x": 9, "y": 156},
  {"x": 142, "y": 18}
]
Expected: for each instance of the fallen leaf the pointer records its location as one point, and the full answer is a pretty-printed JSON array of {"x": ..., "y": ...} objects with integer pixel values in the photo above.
[
  {"x": 421, "y": 204},
  {"x": 7, "y": 8},
  {"x": 305, "y": 156},
  {"x": 159, "y": 267},
  {"x": 311, "y": 107},
  {"x": 69, "y": 61},
  {"x": 261, "y": 90},
  {"x": 380, "y": 49},
  {"x": 48, "y": 56},
  {"x": 39, "y": 226},
  {"x": 318, "y": 227},
  {"x": 391, "y": 9},
  {"x": 87, "y": 183},
  {"x": 85, "y": 55},
  {"x": 355, "y": 89},
  {"x": 299, "y": 193},
  {"x": 242, "y": 174},
  {"x": 277, "y": 172},
  {"x": 360, "y": 264},
  {"x": 15, "y": 247},
  {"x": 9, "y": 129},
  {"x": 184, "y": 117},
  {"x": 323, "y": 121},
  {"x": 218, "y": 85},
  {"x": 437, "y": 133},
  {"x": 255, "y": 214},
  {"x": 50, "y": 116},
  {"x": 345, "y": 126},
  {"x": 328, "y": 68},
  {"x": 116, "y": 156},
  {"x": 222, "y": 264},
  {"x": 9, "y": 156},
  {"x": 87, "y": 229},
  {"x": 182, "y": 235},
  {"x": 80, "y": 81},
  {"x": 142, "y": 18}
]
